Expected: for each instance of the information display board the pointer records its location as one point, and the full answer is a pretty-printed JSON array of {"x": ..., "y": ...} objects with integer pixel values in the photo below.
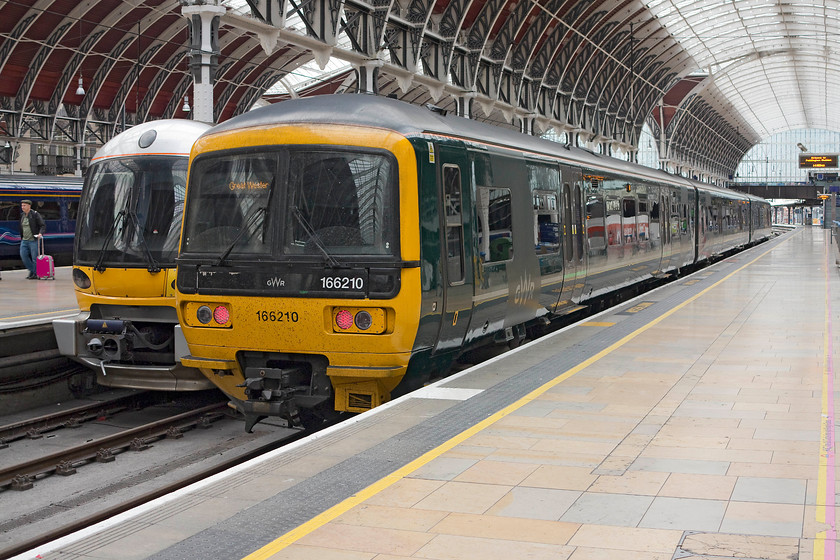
[{"x": 817, "y": 161}]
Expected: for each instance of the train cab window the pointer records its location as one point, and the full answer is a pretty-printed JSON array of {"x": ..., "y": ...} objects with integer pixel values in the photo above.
[
  {"x": 158, "y": 217},
  {"x": 229, "y": 205},
  {"x": 546, "y": 222},
  {"x": 342, "y": 202},
  {"x": 495, "y": 226},
  {"x": 454, "y": 224}
]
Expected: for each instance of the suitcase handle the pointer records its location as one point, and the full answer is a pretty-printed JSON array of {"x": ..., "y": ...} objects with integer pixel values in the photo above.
[{"x": 41, "y": 246}]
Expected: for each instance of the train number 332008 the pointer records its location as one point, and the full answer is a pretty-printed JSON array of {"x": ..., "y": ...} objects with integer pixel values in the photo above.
[{"x": 277, "y": 316}]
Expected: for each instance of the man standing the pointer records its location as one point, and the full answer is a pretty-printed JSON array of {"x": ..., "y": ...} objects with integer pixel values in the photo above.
[{"x": 32, "y": 226}]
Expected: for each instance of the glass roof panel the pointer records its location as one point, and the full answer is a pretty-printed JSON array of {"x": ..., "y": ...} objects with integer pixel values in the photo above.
[{"x": 770, "y": 59}]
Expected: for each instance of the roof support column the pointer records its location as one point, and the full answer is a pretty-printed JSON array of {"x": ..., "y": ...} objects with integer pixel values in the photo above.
[
  {"x": 463, "y": 104},
  {"x": 526, "y": 125},
  {"x": 663, "y": 152},
  {"x": 368, "y": 75},
  {"x": 204, "y": 54}
]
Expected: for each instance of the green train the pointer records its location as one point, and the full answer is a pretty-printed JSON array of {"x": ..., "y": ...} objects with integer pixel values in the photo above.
[{"x": 337, "y": 251}]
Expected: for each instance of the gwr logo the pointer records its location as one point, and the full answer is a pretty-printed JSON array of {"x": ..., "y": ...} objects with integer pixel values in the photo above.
[
  {"x": 275, "y": 282},
  {"x": 524, "y": 290}
]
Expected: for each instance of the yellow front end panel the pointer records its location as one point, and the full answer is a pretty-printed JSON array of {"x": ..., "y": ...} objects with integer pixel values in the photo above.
[
  {"x": 126, "y": 286},
  {"x": 305, "y": 326}
]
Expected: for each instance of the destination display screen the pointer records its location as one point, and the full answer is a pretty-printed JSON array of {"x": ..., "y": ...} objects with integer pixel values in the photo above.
[{"x": 817, "y": 161}]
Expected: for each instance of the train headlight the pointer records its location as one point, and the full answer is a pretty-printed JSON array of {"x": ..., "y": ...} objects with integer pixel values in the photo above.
[
  {"x": 367, "y": 320},
  {"x": 81, "y": 279},
  {"x": 363, "y": 320},
  {"x": 221, "y": 315},
  {"x": 204, "y": 315}
]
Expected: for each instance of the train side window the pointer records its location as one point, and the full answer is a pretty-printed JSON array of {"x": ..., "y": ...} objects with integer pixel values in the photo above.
[
  {"x": 10, "y": 211},
  {"x": 73, "y": 209},
  {"x": 544, "y": 182},
  {"x": 595, "y": 230},
  {"x": 655, "y": 232},
  {"x": 614, "y": 236},
  {"x": 495, "y": 226},
  {"x": 454, "y": 224},
  {"x": 629, "y": 222},
  {"x": 546, "y": 222},
  {"x": 49, "y": 209}
]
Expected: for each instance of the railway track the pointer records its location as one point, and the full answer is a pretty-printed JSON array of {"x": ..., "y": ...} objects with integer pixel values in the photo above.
[
  {"x": 103, "y": 450},
  {"x": 83, "y": 521},
  {"x": 41, "y": 502},
  {"x": 36, "y": 427}
]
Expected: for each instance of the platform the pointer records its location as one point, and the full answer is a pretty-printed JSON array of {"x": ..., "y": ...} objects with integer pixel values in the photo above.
[
  {"x": 697, "y": 421},
  {"x": 33, "y": 302}
]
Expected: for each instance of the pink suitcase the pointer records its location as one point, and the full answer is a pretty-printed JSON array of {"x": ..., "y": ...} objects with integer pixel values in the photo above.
[{"x": 44, "y": 267}]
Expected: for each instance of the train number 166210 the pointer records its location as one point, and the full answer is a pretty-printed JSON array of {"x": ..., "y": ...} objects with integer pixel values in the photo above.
[
  {"x": 277, "y": 316},
  {"x": 342, "y": 283}
]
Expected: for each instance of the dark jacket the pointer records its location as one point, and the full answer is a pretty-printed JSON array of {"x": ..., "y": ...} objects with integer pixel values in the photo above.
[{"x": 36, "y": 223}]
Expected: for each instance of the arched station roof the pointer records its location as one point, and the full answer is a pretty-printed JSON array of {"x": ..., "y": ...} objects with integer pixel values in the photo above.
[{"x": 710, "y": 78}]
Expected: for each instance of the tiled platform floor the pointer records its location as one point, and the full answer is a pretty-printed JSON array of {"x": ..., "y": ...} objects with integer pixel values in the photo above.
[
  {"x": 700, "y": 438},
  {"x": 28, "y": 302}
]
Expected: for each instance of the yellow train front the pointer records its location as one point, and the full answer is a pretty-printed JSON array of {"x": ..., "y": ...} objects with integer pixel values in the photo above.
[
  {"x": 127, "y": 234},
  {"x": 298, "y": 278}
]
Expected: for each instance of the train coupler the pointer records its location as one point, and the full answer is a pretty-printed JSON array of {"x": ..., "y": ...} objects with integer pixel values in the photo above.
[
  {"x": 271, "y": 392},
  {"x": 106, "y": 339}
]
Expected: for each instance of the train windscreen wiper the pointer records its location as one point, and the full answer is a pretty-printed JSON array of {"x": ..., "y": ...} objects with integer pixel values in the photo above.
[
  {"x": 101, "y": 260},
  {"x": 150, "y": 259},
  {"x": 249, "y": 222},
  {"x": 314, "y": 237}
]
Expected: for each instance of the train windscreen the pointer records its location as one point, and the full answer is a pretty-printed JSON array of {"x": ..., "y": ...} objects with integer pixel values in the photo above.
[
  {"x": 131, "y": 212},
  {"x": 320, "y": 202}
]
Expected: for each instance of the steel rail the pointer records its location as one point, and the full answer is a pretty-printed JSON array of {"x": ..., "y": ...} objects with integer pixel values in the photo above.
[{"x": 23, "y": 475}]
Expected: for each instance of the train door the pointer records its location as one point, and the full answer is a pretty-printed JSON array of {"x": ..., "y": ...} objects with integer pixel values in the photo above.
[
  {"x": 579, "y": 232},
  {"x": 665, "y": 228},
  {"x": 456, "y": 267},
  {"x": 573, "y": 234}
]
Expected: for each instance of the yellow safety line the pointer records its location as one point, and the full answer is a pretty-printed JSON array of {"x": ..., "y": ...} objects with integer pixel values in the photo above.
[
  {"x": 37, "y": 314},
  {"x": 824, "y": 542},
  {"x": 337, "y": 510}
]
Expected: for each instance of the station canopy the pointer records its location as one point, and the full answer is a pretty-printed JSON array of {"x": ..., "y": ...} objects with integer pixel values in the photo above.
[{"x": 711, "y": 79}]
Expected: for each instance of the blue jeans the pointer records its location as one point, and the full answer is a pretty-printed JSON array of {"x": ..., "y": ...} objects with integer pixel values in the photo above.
[{"x": 29, "y": 255}]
